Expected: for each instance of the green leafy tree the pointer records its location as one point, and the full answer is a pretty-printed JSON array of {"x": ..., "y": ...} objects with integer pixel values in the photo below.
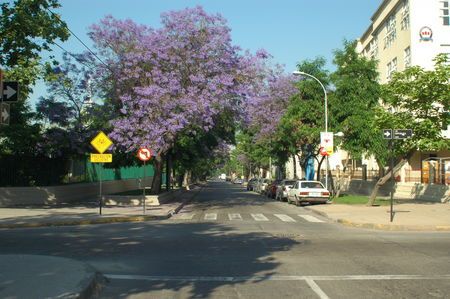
[
  {"x": 416, "y": 99},
  {"x": 27, "y": 28},
  {"x": 353, "y": 103},
  {"x": 304, "y": 120}
]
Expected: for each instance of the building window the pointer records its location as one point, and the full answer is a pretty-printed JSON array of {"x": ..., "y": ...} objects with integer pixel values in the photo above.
[
  {"x": 445, "y": 13},
  {"x": 391, "y": 68},
  {"x": 404, "y": 12},
  {"x": 407, "y": 57},
  {"x": 373, "y": 48},
  {"x": 391, "y": 32}
]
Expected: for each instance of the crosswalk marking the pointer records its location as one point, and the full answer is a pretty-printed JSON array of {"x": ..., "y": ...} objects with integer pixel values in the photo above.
[
  {"x": 211, "y": 216},
  {"x": 234, "y": 216},
  {"x": 284, "y": 218},
  {"x": 259, "y": 217},
  {"x": 310, "y": 218},
  {"x": 185, "y": 216}
]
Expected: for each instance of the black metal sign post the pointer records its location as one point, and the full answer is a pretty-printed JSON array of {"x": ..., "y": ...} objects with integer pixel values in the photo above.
[
  {"x": 392, "y": 178},
  {"x": 392, "y": 135}
]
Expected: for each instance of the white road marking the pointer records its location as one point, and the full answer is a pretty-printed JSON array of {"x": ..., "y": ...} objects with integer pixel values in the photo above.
[
  {"x": 259, "y": 217},
  {"x": 184, "y": 216},
  {"x": 279, "y": 277},
  {"x": 210, "y": 216},
  {"x": 313, "y": 285},
  {"x": 235, "y": 216},
  {"x": 284, "y": 218},
  {"x": 310, "y": 218}
]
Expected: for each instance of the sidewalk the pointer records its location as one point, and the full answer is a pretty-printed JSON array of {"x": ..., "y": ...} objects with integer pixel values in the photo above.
[
  {"x": 22, "y": 217},
  {"x": 37, "y": 276},
  {"x": 407, "y": 216}
]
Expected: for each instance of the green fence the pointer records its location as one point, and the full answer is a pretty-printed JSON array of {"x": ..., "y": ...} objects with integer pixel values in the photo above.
[
  {"x": 21, "y": 171},
  {"x": 109, "y": 174}
]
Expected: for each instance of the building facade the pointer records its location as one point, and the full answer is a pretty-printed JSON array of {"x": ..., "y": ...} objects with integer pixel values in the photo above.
[{"x": 404, "y": 33}]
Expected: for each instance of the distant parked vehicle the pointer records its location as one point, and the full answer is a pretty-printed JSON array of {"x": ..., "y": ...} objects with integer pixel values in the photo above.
[
  {"x": 283, "y": 189},
  {"x": 238, "y": 181},
  {"x": 262, "y": 185},
  {"x": 308, "y": 191},
  {"x": 251, "y": 184}
]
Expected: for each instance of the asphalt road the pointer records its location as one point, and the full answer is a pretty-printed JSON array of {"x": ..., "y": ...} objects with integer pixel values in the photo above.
[{"x": 230, "y": 243}]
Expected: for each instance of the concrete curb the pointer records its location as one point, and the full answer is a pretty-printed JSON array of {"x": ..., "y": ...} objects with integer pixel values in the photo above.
[
  {"x": 93, "y": 286},
  {"x": 379, "y": 226},
  {"x": 393, "y": 227}
]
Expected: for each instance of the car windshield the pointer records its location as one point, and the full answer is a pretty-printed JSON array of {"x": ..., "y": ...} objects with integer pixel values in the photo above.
[{"x": 311, "y": 185}]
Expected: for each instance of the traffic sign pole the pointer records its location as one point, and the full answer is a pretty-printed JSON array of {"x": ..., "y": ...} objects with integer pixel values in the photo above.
[
  {"x": 100, "y": 179},
  {"x": 143, "y": 183},
  {"x": 392, "y": 179}
]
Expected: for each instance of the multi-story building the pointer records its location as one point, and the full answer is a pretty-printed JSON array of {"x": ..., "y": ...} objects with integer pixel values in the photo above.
[{"x": 403, "y": 33}]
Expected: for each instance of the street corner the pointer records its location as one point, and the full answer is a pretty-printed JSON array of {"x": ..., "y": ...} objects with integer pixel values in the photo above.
[{"x": 48, "y": 277}]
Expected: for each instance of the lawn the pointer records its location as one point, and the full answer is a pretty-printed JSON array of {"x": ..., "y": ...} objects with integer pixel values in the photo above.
[{"x": 359, "y": 200}]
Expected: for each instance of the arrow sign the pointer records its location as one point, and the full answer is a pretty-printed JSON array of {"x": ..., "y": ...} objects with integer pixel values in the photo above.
[
  {"x": 387, "y": 134},
  {"x": 144, "y": 154},
  {"x": 402, "y": 134},
  {"x": 10, "y": 91},
  {"x": 4, "y": 114}
]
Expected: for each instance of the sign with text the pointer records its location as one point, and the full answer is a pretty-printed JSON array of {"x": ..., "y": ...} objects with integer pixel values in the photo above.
[
  {"x": 402, "y": 134},
  {"x": 101, "y": 158},
  {"x": 326, "y": 143}
]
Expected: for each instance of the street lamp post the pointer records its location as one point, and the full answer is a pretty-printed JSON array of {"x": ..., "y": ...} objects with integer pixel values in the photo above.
[{"x": 299, "y": 73}]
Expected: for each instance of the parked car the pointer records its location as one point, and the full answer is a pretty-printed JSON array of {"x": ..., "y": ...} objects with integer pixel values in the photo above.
[
  {"x": 251, "y": 184},
  {"x": 262, "y": 185},
  {"x": 308, "y": 191},
  {"x": 238, "y": 181},
  {"x": 283, "y": 189},
  {"x": 271, "y": 189}
]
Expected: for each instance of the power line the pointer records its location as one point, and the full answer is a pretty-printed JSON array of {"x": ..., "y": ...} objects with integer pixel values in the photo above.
[
  {"x": 71, "y": 32},
  {"x": 73, "y": 56}
]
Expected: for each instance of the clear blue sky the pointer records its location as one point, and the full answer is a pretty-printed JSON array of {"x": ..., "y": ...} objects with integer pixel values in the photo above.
[{"x": 291, "y": 30}]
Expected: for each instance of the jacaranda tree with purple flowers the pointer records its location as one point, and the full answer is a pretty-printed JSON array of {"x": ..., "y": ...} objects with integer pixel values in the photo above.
[{"x": 172, "y": 80}]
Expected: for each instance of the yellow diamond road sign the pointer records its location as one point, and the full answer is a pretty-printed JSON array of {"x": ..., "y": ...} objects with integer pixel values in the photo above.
[{"x": 101, "y": 142}]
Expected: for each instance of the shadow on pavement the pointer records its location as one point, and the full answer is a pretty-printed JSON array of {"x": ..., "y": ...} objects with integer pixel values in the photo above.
[{"x": 155, "y": 249}]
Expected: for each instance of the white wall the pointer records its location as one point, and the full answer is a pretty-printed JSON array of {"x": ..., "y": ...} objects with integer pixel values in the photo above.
[{"x": 427, "y": 13}]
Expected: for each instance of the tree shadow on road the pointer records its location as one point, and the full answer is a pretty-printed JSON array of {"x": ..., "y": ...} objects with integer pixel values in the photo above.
[{"x": 176, "y": 251}]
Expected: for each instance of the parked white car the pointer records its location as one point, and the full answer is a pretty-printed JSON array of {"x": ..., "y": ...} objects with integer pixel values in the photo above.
[
  {"x": 308, "y": 191},
  {"x": 283, "y": 189}
]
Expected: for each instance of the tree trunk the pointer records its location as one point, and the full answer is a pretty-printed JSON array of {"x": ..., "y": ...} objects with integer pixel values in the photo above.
[
  {"x": 168, "y": 170},
  {"x": 186, "y": 180},
  {"x": 341, "y": 179},
  {"x": 384, "y": 179},
  {"x": 156, "y": 183},
  {"x": 319, "y": 166},
  {"x": 295, "y": 166}
]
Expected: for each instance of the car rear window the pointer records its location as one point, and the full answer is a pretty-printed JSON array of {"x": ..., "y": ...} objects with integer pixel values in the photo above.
[{"x": 311, "y": 185}]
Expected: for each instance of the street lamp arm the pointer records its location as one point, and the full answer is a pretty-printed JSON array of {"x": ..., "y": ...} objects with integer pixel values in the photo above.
[{"x": 299, "y": 73}]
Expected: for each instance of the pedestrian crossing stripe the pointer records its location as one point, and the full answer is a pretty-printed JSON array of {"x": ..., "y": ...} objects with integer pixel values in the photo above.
[
  {"x": 211, "y": 216},
  {"x": 284, "y": 218},
  {"x": 234, "y": 216},
  {"x": 310, "y": 218},
  {"x": 259, "y": 217}
]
